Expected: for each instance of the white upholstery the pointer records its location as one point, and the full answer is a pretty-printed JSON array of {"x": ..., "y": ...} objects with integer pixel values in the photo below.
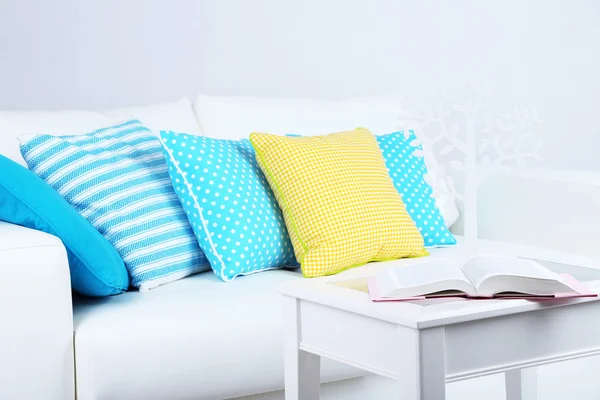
[
  {"x": 16, "y": 123},
  {"x": 235, "y": 117},
  {"x": 36, "y": 352},
  {"x": 176, "y": 116},
  {"x": 198, "y": 338},
  {"x": 203, "y": 339}
]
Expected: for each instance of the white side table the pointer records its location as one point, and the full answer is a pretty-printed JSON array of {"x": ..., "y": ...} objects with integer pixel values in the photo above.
[{"x": 424, "y": 345}]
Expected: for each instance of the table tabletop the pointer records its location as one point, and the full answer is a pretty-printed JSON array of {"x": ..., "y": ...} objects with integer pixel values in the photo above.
[{"x": 421, "y": 314}]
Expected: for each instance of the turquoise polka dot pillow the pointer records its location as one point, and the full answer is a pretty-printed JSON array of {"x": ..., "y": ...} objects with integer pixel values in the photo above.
[
  {"x": 408, "y": 174},
  {"x": 229, "y": 203}
]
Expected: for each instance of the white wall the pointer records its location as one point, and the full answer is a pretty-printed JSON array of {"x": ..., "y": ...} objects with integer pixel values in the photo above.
[{"x": 82, "y": 54}]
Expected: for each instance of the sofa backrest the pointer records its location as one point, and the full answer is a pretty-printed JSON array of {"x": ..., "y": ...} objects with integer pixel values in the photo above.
[
  {"x": 226, "y": 117},
  {"x": 176, "y": 116},
  {"x": 235, "y": 117},
  {"x": 16, "y": 123}
]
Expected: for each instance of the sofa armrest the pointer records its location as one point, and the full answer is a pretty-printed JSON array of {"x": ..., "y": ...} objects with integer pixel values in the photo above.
[
  {"x": 558, "y": 209},
  {"x": 36, "y": 328}
]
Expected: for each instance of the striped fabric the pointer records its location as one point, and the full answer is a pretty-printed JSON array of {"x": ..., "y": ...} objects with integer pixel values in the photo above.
[{"x": 117, "y": 179}]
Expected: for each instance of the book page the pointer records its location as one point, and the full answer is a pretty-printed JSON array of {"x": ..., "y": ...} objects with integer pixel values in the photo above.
[
  {"x": 426, "y": 272},
  {"x": 480, "y": 268},
  {"x": 423, "y": 278}
]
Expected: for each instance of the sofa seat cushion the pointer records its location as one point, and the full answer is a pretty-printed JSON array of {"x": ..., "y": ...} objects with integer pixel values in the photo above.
[{"x": 198, "y": 338}]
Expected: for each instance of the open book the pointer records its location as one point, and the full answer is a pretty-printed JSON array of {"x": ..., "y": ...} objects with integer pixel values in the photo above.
[{"x": 480, "y": 277}]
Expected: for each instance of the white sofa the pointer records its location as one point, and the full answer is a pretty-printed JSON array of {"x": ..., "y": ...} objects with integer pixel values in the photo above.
[{"x": 199, "y": 338}]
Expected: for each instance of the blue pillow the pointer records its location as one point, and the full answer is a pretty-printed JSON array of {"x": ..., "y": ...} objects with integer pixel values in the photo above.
[
  {"x": 408, "y": 174},
  {"x": 228, "y": 201},
  {"x": 96, "y": 267},
  {"x": 117, "y": 179}
]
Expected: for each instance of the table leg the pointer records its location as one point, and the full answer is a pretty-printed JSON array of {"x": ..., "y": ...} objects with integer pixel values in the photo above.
[
  {"x": 302, "y": 369},
  {"x": 521, "y": 384},
  {"x": 423, "y": 375}
]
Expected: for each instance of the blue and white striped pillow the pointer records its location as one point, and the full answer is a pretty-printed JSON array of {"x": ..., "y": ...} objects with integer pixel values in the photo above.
[{"x": 117, "y": 179}]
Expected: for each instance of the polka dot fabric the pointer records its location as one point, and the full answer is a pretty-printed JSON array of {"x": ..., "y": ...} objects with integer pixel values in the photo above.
[
  {"x": 407, "y": 172},
  {"x": 232, "y": 210},
  {"x": 338, "y": 201}
]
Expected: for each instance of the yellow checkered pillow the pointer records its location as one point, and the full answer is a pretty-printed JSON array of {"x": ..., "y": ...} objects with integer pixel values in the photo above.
[{"x": 339, "y": 203}]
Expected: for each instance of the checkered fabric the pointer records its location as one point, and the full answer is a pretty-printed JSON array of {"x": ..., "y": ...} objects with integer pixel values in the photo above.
[{"x": 338, "y": 201}]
